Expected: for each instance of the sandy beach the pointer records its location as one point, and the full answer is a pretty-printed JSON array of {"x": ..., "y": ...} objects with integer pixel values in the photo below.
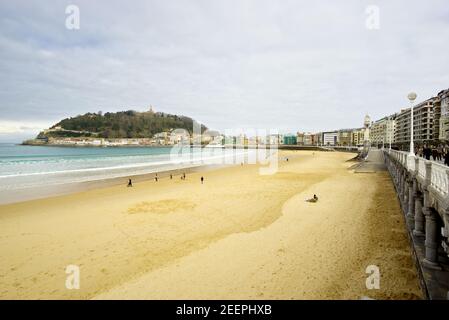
[{"x": 240, "y": 235}]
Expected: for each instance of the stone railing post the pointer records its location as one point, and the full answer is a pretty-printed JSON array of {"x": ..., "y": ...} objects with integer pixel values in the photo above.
[
  {"x": 399, "y": 188},
  {"x": 411, "y": 203},
  {"x": 404, "y": 190},
  {"x": 419, "y": 216},
  {"x": 447, "y": 174},
  {"x": 428, "y": 172},
  {"x": 446, "y": 229},
  {"x": 432, "y": 229},
  {"x": 407, "y": 187},
  {"x": 432, "y": 237},
  {"x": 416, "y": 166}
]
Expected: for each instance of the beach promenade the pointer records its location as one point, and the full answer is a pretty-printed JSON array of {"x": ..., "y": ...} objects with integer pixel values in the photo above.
[
  {"x": 423, "y": 190},
  {"x": 240, "y": 235}
]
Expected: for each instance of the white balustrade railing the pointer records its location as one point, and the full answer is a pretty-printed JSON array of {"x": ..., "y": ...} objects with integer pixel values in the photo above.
[
  {"x": 422, "y": 168},
  {"x": 439, "y": 174},
  {"x": 411, "y": 163},
  {"x": 439, "y": 178}
]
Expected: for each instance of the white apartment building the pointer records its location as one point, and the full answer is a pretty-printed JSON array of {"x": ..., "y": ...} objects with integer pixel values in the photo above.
[
  {"x": 382, "y": 131},
  {"x": 330, "y": 138},
  {"x": 443, "y": 98}
]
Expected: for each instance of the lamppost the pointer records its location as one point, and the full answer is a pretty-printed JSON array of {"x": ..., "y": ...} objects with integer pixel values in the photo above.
[{"x": 411, "y": 96}]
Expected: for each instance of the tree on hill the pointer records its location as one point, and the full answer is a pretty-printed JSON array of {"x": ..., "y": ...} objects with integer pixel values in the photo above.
[{"x": 124, "y": 124}]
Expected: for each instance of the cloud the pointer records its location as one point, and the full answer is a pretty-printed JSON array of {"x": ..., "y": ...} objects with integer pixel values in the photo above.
[
  {"x": 292, "y": 65},
  {"x": 9, "y": 127}
]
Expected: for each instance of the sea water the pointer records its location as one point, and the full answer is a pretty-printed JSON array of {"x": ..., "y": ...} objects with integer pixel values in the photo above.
[{"x": 33, "y": 166}]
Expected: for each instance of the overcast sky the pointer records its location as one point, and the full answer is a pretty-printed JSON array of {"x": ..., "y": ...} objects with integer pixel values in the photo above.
[{"x": 290, "y": 65}]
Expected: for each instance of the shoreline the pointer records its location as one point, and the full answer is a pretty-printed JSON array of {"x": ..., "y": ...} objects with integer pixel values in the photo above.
[{"x": 56, "y": 190}]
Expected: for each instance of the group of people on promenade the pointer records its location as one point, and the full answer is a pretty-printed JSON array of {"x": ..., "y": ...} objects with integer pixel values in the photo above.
[{"x": 438, "y": 153}]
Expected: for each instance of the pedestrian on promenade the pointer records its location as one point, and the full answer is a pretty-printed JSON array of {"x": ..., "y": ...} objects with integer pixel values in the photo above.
[
  {"x": 427, "y": 152},
  {"x": 434, "y": 154},
  {"x": 420, "y": 152},
  {"x": 440, "y": 152},
  {"x": 446, "y": 158}
]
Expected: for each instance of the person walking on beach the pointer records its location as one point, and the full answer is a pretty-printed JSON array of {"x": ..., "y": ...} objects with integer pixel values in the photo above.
[
  {"x": 183, "y": 176},
  {"x": 171, "y": 176},
  {"x": 130, "y": 183},
  {"x": 202, "y": 179},
  {"x": 155, "y": 178}
]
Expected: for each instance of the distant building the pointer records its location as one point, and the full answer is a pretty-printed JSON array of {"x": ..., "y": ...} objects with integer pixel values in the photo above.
[
  {"x": 290, "y": 140},
  {"x": 423, "y": 117},
  {"x": 304, "y": 138},
  {"x": 358, "y": 136},
  {"x": 161, "y": 138},
  {"x": 382, "y": 131},
  {"x": 330, "y": 138},
  {"x": 345, "y": 137},
  {"x": 317, "y": 139},
  {"x": 443, "y": 121}
]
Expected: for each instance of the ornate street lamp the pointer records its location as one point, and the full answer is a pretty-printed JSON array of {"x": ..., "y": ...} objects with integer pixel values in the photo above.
[{"x": 411, "y": 97}]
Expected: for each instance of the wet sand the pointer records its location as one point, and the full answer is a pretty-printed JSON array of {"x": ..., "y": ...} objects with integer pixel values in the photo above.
[{"x": 239, "y": 235}]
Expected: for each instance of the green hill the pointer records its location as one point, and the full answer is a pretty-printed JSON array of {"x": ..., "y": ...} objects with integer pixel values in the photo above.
[{"x": 125, "y": 124}]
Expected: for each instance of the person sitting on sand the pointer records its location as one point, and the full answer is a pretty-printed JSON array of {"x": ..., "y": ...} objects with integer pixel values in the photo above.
[
  {"x": 314, "y": 199},
  {"x": 130, "y": 183}
]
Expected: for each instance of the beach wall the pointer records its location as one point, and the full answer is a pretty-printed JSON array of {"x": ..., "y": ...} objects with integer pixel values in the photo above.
[{"x": 423, "y": 190}]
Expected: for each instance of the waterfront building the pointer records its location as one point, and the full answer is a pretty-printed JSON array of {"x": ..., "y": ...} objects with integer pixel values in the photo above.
[
  {"x": 290, "y": 139},
  {"x": 304, "y": 138},
  {"x": 273, "y": 139},
  {"x": 300, "y": 138},
  {"x": 345, "y": 137},
  {"x": 423, "y": 117},
  {"x": 317, "y": 139},
  {"x": 443, "y": 121},
  {"x": 330, "y": 138},
  {"x": 382, "y": 131},
  {"x": 358, "y": 136}
]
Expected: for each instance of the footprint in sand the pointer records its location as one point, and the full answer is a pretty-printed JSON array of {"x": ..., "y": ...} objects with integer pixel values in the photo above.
[{"x": 161, "y": 206}]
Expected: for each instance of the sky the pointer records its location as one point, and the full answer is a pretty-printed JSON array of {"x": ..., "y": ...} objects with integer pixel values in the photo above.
[{"x": 230, "y": 64}]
